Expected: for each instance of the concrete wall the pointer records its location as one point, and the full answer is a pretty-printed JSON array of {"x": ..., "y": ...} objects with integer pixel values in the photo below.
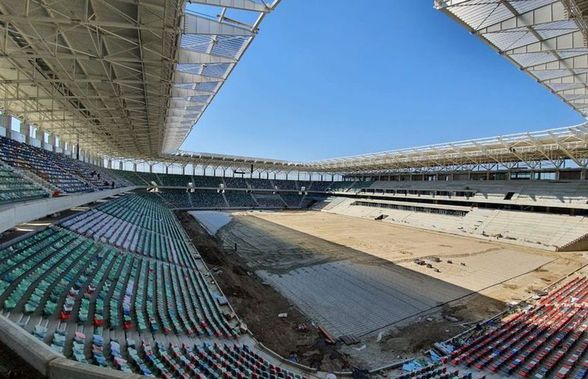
[
  {"x": 49, "y": 363},
  {"x": 17, "y": 213}
]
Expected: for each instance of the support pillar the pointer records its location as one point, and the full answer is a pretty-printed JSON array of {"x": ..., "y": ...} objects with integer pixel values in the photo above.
[
  {"x": 6, "y": 122},
  {"x": 25, "y": 130},
  {"x": 134, "y": 167}
]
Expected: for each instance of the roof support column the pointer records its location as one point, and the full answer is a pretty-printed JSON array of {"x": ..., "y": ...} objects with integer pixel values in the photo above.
[
  {"x": 52, "y": 141},
  {"x": 25, "y": 130},
  {"x": 6, "y": 123}
]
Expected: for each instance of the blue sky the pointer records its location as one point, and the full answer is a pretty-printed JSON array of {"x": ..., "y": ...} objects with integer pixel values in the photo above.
[{"x": 329, "y": 78}]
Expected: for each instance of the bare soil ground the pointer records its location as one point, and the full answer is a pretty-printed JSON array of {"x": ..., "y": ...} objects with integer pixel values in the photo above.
[
  {"x": 258, "y": 305},
  {"x": 13, "y": 367}
]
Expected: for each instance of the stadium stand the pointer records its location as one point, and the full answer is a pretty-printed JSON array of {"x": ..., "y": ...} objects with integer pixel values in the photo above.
[
  {"x": 135, "y": 224},
  {"x": 41, "y": 163},
  {"x": 536, "y": 192},
  {"x": 236, "y": 183},
  {"x": 240, "y": 199},
  {"x": 179, "y": 199},
  {"x": 14, "y": 188},
  {"x": 306, "y": 184},
  {"x": 340, "y": 186},
  {"x": 60, "y": 282},
  {"x": 292, "y": 199},
  {"x": 543, "y": 230},
  {"x": 129, "y": 177},
  {"x": 208, "y": 199},
  {"x": 268, "y": 200},
  {"x": 207, "y": 181},
  {"x": 261, "y": 184},
  {"x": 434, "y": 371},
  {"x": 285, "y": 184},
  {"x": 320, "y": 186},
  {"x": 547, "y": 340},
  {"x": 173, "y": 180}
]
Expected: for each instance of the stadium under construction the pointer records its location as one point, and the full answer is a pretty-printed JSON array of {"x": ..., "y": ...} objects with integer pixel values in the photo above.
[{"x": 122, "y": 255}]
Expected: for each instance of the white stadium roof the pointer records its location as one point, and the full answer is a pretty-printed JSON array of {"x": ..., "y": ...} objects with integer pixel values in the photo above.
[
  {"x": 125, "y": 77},
  {"x": 553, "y": 146},
  {"x": 544, "y": 38}
]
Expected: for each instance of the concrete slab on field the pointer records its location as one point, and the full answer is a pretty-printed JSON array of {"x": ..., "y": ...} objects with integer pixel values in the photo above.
[
  {"x": 354, "y": 299},
  {"x": 212, "y": 221}
]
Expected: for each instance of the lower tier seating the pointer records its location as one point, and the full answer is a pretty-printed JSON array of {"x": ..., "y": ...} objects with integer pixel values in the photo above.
[
  {"x": 435, "y": 371},
  {"x": 546, "y": 341},
  {"x": 292, "y": 199},
  {"x": 102, "y": 304},
  {"x": 134, "y": 224},
  {"x": 59, "y": 274}
]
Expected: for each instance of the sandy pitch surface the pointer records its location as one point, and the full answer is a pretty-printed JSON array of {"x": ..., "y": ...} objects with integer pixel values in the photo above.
[{"x": 498, "y": 270}]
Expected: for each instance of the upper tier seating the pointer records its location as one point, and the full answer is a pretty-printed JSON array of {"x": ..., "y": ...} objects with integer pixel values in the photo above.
[
  {"x": 240, "y": 199},
  {"x": 174, "y": 180},
  {"x": 176, "y": 198},
  {"x": 526, "y": 192},
  {"x": 549, "y": 340},
  {"x": 149, "y": 178},
  {"x": 306, "y": 184},
  {"x": 14, "y": 188},
  {"x": 236, "y": 183},
  {"x": 127, "y": 176},
  {"x": 285, "y": 184},
  {"x": 207, "y": 181},
  {"x": 42, "y": 163},
  {"x": 320, "y": 186},
  {"x": 340, "y": 186},
  {"x": 261, "y": 184},
  {"x": 97, "y": 176},
  {"x": 207, "y": 199},
  {"x": 358, "y": 185}
]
